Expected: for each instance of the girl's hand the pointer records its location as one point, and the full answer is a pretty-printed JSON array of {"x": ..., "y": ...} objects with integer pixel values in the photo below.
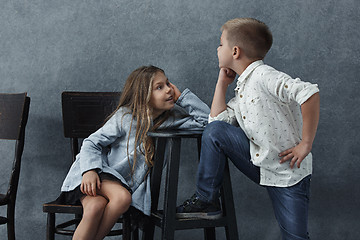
[
  {"x": 226, "y": 76},
  {"x": 177, "y": 92},
  {"x": 295, "y": 154},
  {"x": 90, "y": 182}
]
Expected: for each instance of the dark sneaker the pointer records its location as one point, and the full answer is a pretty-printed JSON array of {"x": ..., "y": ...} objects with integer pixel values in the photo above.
[{"x": 195, "y": 208}]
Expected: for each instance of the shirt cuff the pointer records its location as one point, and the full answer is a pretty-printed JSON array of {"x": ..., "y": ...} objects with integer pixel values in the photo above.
[
  {"x": 223, "y": 116},
  {"x": 305, "y": 95}
]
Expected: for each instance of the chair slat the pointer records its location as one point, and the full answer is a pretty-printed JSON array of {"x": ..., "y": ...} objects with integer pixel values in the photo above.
[
  {"x": 11, "y": 110},
  {"x": 79, "y": 106}
]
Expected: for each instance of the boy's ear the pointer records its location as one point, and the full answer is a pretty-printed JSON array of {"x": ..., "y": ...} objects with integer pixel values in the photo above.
[{"x": 236, "y": 52}]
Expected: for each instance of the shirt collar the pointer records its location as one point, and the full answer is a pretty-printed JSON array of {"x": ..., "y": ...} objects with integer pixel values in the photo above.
[{"x": 248, "y": 70}]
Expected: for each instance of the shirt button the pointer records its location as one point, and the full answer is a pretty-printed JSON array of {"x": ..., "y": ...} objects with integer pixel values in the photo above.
[
  {"x": 244, "y": 117},
  {"x": 241, "y": 96},
  {"x": 252, "y": 139},
  {"x": 286, "y": 86},
  {"x": 257, "y": 155}
]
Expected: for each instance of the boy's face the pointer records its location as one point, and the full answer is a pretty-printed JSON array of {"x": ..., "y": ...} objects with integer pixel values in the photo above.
[{"x": 224, "y": 52}]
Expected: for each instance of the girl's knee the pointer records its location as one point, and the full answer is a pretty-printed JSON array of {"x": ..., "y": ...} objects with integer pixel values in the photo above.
[
  {"x": 122, "y": 200},
  {"x": 118, "y": 196},
  {"x": 125, "y": 198},
  {"x": 94, "y": 206}
]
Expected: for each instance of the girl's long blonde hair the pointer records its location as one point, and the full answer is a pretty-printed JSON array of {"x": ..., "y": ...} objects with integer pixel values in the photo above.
[{"x": 136, "y": 96}]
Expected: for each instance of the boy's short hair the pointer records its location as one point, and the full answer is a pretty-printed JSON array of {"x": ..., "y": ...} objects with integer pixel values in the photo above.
[{"x": 250, "y": 35}]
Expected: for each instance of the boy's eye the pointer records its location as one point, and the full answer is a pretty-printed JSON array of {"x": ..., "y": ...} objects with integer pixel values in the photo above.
[{"x": 159, "y": 87}]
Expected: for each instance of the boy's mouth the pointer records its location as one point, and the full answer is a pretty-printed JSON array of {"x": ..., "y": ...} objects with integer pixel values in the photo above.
[{"x": 170, "y": 98}]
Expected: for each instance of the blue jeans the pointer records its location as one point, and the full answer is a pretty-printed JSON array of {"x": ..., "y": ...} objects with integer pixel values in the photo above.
[{"x": 220, "y": 141}]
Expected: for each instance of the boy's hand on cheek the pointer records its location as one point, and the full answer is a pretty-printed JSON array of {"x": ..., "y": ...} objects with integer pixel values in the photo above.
[
  {"x": 226, "y": 76},
  {"x": 295, "y": 154},
  {"x": 177, "y": 92}
]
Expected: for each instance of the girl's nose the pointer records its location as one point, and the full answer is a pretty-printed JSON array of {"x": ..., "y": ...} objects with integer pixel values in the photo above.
[{"x": 168, "y": 88}]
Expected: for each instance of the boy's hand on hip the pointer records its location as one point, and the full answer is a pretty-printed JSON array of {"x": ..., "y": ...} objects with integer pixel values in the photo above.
[
  {"x": 295, "y": 154},
  {"x": 226, "y": 76},
  {"x": 90, "y": 182}
]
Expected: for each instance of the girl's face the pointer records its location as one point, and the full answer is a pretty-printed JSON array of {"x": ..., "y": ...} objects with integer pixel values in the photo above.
[{"x": 162, "y": 96}]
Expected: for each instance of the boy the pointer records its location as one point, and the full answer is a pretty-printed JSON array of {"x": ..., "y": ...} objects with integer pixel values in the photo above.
[{"x": 272, "y": 145}]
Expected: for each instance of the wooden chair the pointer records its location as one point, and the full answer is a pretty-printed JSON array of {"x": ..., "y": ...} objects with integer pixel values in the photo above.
[
  {"x": 83, "y": 114},
  {"x": 14, "y": 110}
]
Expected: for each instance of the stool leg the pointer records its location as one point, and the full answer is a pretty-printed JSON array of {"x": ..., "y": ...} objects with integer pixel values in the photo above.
[
  {"x": 209, "y": 233},
  {"x": 11, "y": 219},
  {"x": 50, "y": 228},
  {"x": 156, "y": 173},
  {"x": 148, "y": 232},
  {"x": 171, "y": 187},
  {"x": 126, "y": 226},
  {"x": 228, "y": 206},
  {"x": 135, "y": 234}
]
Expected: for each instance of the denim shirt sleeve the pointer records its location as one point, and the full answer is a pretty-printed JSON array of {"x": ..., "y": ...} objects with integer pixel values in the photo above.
[
  {"x": 189, "y": 112},
  {"x": 95, "y": 146}
]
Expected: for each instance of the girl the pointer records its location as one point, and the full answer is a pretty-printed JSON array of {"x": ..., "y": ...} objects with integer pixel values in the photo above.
[{"x": 111, "y": 171}]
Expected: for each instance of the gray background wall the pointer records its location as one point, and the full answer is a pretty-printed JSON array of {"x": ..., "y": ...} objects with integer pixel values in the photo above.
[{"x": 49, "y": 46}]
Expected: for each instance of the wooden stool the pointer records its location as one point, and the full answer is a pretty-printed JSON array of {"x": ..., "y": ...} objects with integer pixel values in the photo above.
[{"x": 166, "y": 218}]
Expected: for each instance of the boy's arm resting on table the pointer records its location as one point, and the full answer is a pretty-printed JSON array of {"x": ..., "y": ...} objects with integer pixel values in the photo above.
[{"x": 310, "y": 113}]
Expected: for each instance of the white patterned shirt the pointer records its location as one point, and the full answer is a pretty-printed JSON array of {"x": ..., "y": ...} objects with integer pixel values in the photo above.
[{"x": 267, "y": 107}]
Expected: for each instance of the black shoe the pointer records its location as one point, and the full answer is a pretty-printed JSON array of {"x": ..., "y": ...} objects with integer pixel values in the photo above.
[{"x": 195, "y": 208}]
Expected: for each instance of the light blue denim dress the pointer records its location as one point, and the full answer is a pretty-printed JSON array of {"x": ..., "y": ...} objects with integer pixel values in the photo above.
[{"x": 106, "y": 149}]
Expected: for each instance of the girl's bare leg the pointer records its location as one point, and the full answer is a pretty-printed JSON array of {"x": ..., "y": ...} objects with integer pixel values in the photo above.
[
  {"x": 119, "y": 200},
  {"x": 93, "y": 209}
]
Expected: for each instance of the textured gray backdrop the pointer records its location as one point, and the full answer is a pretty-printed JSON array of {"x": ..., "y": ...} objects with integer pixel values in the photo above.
[{"x": 49, "y": 46}]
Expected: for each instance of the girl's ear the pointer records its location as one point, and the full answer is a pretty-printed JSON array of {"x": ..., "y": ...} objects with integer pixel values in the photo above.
[{"x": 236, "y": 52}]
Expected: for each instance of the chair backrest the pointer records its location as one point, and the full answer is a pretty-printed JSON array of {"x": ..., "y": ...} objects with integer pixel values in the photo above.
[
  {"x": 13, "y": 115},
  {"x": 84, "y": 113},
  {"x": 14, "y": 111}
]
